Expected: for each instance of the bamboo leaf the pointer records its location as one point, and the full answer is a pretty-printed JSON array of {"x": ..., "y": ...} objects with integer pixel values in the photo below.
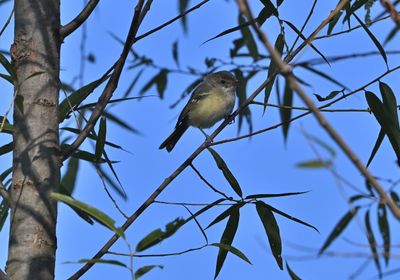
[
  {"x": 7, "y": 148},
  {"x": 175, "y": 52},
  {"x": 338, "y": 229},
  {"x": 224, "y": 214},
  {"x": 76, "y": 98},
  {"x": 183, "y": 4},
  {"x": 227, "y": 173},
  {"x": 372, "y": 243},
  {"x": 101, "y": 138},
  {"x": 377, "y": 145},
  {"x": 294, "y": 28},
  {"x": 269, "y": 195},
  {"x": 317, "y": 163},
  {"x": 158, "y": 235},
  {"x": 292, "y": 275},
  {"x": 143, "y": 270},
  {"x": 249, "y": 39},
  {"x": 286, "y": 113},
  {"x": 373, "y": 38},
  {"x": 272, "y": 230},
  {"x": 291, "y": 217},
  {"x": 9, "y": 67},
  {"x": 227, "y": 238},
  {"x": 103, "y": 261},
  {"x": 385, "y": 231},
  {"x": 93, "y": 212},
  {"x": 232, "y": 250}
]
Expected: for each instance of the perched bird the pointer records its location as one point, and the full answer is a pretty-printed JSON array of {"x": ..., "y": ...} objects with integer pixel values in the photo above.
[{"x": 212, "y": 101}]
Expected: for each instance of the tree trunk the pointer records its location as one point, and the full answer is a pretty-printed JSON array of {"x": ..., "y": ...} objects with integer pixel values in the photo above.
[{"x": 36, "y": 172}]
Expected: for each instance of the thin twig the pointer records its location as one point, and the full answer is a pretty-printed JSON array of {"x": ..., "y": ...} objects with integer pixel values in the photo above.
[
  {"x": 79, "y": 19},
  {"x": 206, "y": 182},
  {"x": 294, "y": 85},
  {"x": 307, "y": 109}
]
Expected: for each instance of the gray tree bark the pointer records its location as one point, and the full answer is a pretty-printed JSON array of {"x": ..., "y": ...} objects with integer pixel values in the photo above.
[{"x": 36, "y": 172}]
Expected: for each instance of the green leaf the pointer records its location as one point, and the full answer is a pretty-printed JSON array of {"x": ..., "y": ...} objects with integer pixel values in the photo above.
[
  {"x": 227, "y": 173},
  {"x": 116, "y": 187},
  {"x": 227, "y": 238},
  {"x": 337, "y": 230},
  {"x": 390, "y": 103},
  {"x": 272, "y": 69},
  {"x": 272, "y": 230},
  {"x": 5, "y": 173},
  {"x": 333, "y": 22},
  {"x": 183, "y": 4},
  {"x": 232, "y": 250},
  {"x": 286, "y": 113},
  {"x": 279, "y": 2},
  {"x": 350, "y": 10},
  {"x": 292, "y": 275},
  {"x": 241, "y": 90},
  {"x": 133, "y": 83},
  {"x": 377, "y": 145},
  {"x": 372, "y": 243},
  {"x": 116, "y": 120},
  {"x": 101, "y": 138},
  {"x": 8, "y": 78},
  {"x": 161, "y": 82},
  {"x": 9, "y": 67},
  {"x": 4, "y": 210},
  {"x": 91, "y": 136},
  {"x": 204, "y": 209},
  {"x": 87, "y": 156},
  {"x": 6, "y": 148},
  {"x": 19, "y": 102},
  {"x": 388, "y": 125},
  {"x": 395, "y": 197},
  {"x": 291, "y": 217},
  {"x": 5, "y": 126},
  {"x": 144, "y": 269},
  {"x": 385, "y": 231},
  {"x": 294, "y": 28},
  {"x": 391, "y": 35},
  {"x": 248, "y": 38},
  {"x": 269, "y": 195},
  {"x": 76, "y": 98},
  {"x": 228, "y": 31},
  {"x": 331, "y": 95},
  {"x": 266, "y": 12},
  {"x": 93, "y": 212},
  {"x": 158, "y": 235},
  {"x": 175, "y": 52},
  {"x": 322, "y": 144},
  {"x": 316, "y": 163},
  {"x": 373, "y": 38},
  {"x": 225, "y": 214},
  {"x": 67, "y": 186}
]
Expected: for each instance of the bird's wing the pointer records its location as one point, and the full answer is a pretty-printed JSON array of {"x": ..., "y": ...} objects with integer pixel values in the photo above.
[{"x": 204, "y": 88}]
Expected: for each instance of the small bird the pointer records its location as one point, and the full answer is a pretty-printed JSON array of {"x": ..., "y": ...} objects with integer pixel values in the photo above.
[{"x": 212, "y": 101}]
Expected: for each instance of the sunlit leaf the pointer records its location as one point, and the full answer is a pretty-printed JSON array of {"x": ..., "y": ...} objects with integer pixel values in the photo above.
[
  {"x": 93, "y": 212},
  {"x": 103, "y": 261},
  {"x": 227, "y": 238},
  {"x": 272, "y": 230},
  {"x": 143, "y": 270},
  {"x": 317, "y": 163},
  {"x": 338, "y": 229},
  {"x": 227, "y": 173},
  {"x": 76, "y": 98}
]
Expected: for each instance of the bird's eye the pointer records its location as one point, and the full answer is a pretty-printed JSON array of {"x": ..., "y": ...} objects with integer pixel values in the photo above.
[{"x": 222, "y": 82}]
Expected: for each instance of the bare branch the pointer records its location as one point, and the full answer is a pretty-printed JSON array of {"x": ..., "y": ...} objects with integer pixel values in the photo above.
[
  {"x": 79, "y": 19},
  {"x": 283, "y": 67}
]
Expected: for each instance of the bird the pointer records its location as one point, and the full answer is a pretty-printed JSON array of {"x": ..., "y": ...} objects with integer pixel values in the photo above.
[{"x": 211, "y": 101}]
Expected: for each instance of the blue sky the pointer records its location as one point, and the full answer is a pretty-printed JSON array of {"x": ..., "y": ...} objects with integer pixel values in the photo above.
[{"x": 262, "y": 164}]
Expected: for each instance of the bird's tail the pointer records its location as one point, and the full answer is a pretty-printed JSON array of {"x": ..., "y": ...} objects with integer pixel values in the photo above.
[{"x": 171, "y": 140}]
